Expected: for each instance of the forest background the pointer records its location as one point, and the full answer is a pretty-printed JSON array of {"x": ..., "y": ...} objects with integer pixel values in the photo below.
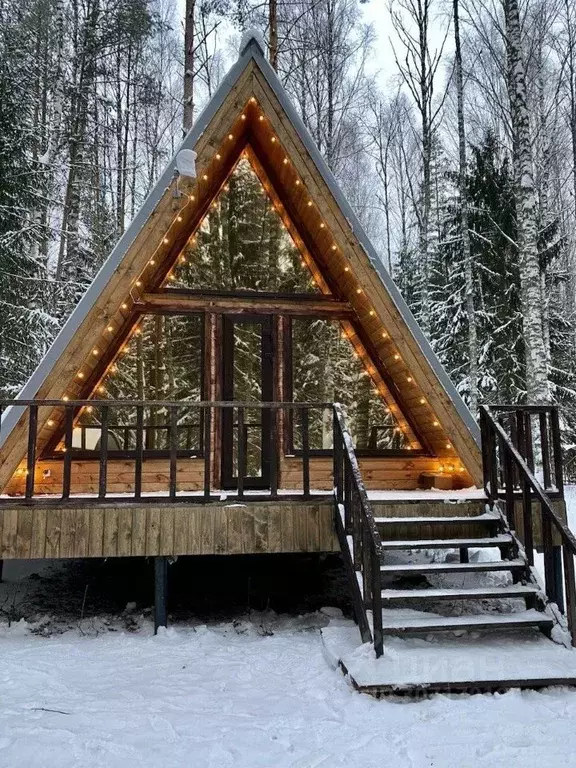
[{"x": 459, "y": 157}]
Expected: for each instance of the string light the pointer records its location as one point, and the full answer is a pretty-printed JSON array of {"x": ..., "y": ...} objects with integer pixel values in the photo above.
[
  {"x": 178, "y": 218},
  {"x": 273, "y": 139},
  {"x": 89, "y": 409},
  {"x": 297, "y": 182},
  {"x": 309, "y": 203},
  {"x": 422, "y": 401},
  {"x": 358, "y": 290},
  {"x": 101, "y": 389},
  {"x": 396, "y": 356},
  {"x": 448, "y": 445},
  {"x": 261, "y": 117},
  {"x": 124, "y": 306},
  {"x": 334, "y": 247},
  {"x": 171, "y": 277},
  {"x": 152, "y": 262},
  {"x": 110, "y": 328},
  {"x": 285, "y": 161},
  {"x": 371, "y": 313},
  {"x": 95, "y": 352},
  {"x": 346, "y": 269},
  {"x": 205, "y": 177},
  {"x": 436, "y": 423},
  {"x": 218, "y": 156},
  {"x": 230, "y": 136},
  {"x": 253, "y": 99},
  {"x": 65, "y": 398},
  {"x": 409, "y": 378},
  {"x": 138, "y": 283},
  {"x": 243, "y": 117},
  {"x": 50, "y": 422},
  {"x": 80, "y": 375},
  {"x": 384, "y": 335}
]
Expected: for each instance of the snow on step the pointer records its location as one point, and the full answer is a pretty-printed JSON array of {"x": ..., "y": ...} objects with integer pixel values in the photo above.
[
  {"x": 486, "y": 517},
  {"x": 491, "y": 541},
  {"x": 480, "y": 621},
  {"x": 472, "y": 593},
  {"x": 413, "y": 662},
  {"x": 495, "y": 565}
]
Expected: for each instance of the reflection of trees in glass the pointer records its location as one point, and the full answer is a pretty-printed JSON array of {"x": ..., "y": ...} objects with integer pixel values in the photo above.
[
  {"x": 326, "y": 369},
  {"x": 162, "y": 361},
  {"x": 242, "y": 244}
]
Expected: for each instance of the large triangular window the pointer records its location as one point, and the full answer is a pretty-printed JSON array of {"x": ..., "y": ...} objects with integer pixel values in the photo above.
[{"x": 242, "y": 244}]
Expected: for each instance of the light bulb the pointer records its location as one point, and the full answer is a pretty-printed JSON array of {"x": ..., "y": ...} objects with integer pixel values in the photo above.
[
  {"x": 309, "y": 203},
  {"x": 261, "y": 117},
  {"x": 205, "y": 177},
  {"x": 422, "y": 401},
  {"x": 50, "y": 422},
  {"x": 80, "y": 375},
  {"x": 230, "y": 136},
  {"x": 334, "y": 247},
  {"x": 408, "y": 378},
  {"x": 297, "y": 182},
  {"x": 243, "y": 117},
  {"x": 110, "y": 329},
  {"x": 178, "y": 218},
  {"x": 285, "y": 161},
  {"x": 218, "y": 156},
  {"x": 273, "y": 139},
  {"x": 65, "y": 398},
  {"x": 124, "y": 306},
  {"x": 358, "y": 290},
  {"x": 448, "y": 445},
  {"x": 253, "y": 99},
  {"x": 396, "y": 356},
  {"x": 371, "y": 313},
  {"x": 384, "y": 335},
  {"x": 95, "y": 352},
  {"x": 436, "y": 423}
]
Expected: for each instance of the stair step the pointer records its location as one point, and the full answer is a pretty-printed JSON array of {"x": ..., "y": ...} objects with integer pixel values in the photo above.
[
  {"x": 488, "y": 518},
  {"x": 474, "y": 593},
  {"x": 518, "y": 620},
  {"x": 504, "y": 539},
  {"x": 494, "y": 565}
]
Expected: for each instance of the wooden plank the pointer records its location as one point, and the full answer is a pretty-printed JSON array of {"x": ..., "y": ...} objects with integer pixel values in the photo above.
[
  {"x": 125, "y": 527},
  {"x": 82, "y": 532},
  {"x": 24, "y": 533},
  {"x": 288, "y": 544},
  {"x": 53, "y": 526},
  {"x": 167, "y": 530},
  {"x": 38, "y": 539},
  {"x": 110, "y": 539},
  {"x": 234, "y": 516},
  {"x": 312, "y": 529},
  {"x": 96, "y": 532},
  {"x": 305, "y": 305},
  {"x": 275, "y": 529},
  {"x": 260, "y": 529},
  {"x": 138, "y": 532},
  {"x": 152, "y": 531},
  {"x": 68, "y": 532},
  {"x": 181, "y": 521},
  {"x": 220, "y": 531},
  {"x": 248, "y": 535},
  {"x": 206, "y": 533},
  {"x": 194, "y": 531},
  {"x": 300, "y": 530}
]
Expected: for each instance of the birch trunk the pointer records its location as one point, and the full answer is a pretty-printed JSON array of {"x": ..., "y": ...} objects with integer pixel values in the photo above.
[
  {"x": 526, "y": 212},
  {"x": 464, "y": 220}
]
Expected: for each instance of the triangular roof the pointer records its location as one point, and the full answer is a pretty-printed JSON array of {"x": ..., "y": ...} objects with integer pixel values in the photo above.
[{"x": 251, "y": 114}]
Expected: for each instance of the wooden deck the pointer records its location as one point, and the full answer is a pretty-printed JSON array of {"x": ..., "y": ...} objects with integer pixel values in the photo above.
[{"x": 78, "y": 529}]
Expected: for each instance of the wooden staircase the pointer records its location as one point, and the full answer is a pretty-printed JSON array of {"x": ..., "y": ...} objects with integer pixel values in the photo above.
[{"x": 438, "y": 576}]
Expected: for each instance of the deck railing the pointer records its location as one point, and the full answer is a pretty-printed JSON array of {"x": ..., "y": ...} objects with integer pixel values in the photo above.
[
  {"x": 355, "y": 523},
  {"x": 511, "y": 458},
  {"x": 169, "y": 430}
]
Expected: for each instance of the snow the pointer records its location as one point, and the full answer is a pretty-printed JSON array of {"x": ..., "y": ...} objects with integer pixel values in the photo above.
[{"x": 251, "y": 694}]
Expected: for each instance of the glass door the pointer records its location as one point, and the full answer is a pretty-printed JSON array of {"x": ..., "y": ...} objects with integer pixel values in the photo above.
[{"x": 247, "y": 377}]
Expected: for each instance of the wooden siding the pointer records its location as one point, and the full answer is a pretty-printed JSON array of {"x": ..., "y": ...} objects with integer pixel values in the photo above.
[
  {"x": 378, "y": 473},
  {"x": 137, "y": 530}
]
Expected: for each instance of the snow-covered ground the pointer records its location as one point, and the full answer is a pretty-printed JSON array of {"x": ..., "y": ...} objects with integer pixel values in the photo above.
[
  {"x": 258, "y": 691},
  {"x": 253, "y": 694}
]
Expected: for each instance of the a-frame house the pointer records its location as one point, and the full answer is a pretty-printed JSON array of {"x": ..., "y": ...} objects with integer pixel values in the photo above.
[{"x": 203, "y": 366}]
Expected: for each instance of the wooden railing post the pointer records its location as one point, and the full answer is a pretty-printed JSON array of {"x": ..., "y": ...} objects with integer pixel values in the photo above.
[
  {"x": 207, "y": 450},
  {"x": 173, "y": 451},
  {"x": 305, "y": 452},
  {"x": 376, "y": 603},
  {"x": 31, "y": 454},
  {"x": 241, "y": 452},
  {"x": 139, "y": 452},
  {"x": 274, "y": 458},
  {"x": 337, "y": 455},
  {"x": 557, "y": 449},
  {"x": 67, "y": 468},
  {"x": 102, "y": 478}
]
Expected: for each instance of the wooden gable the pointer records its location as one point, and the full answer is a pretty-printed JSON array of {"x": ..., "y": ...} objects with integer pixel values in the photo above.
[{"x": 252, "y": 122}]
